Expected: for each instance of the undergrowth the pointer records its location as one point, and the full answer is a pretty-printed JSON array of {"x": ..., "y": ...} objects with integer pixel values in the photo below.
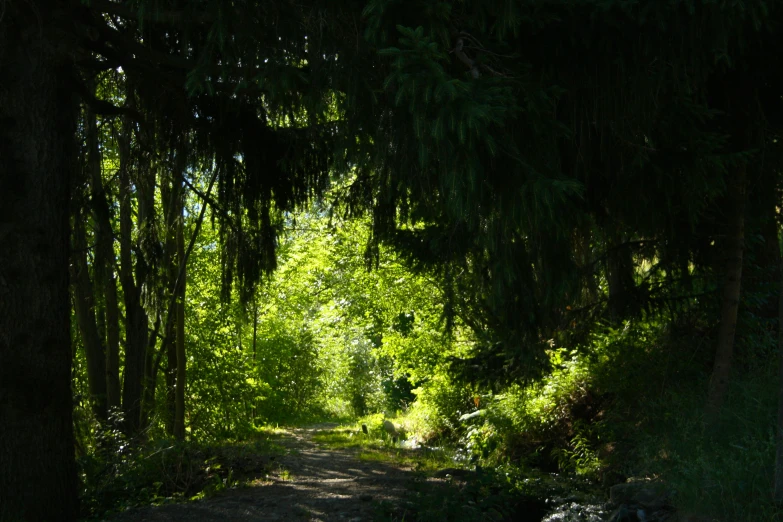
[
  {"x": 378, "y": 445},
  {"x": 629, "y": 404},
  {"x": 459, "y": 494},
  {"x": 118, "y": 475}
]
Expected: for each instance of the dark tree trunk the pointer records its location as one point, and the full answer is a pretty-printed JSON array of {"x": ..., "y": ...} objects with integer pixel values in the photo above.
[
  {"x": 778, "y": 491},
  {"x": 619, "y": 276},
  {"x": 179, "y": 416},
  {"x": 768, "y": 259},
  {"x": 37, "y": 123},
  {"x": 170, "y": 346},
  {"x": 113, "y": 392},
  {"x": 169, "y": 195},
  {"x": 85, "y": 318},
  {"x": 150, "y": 375},
  {"x": 735, "y": 247},
  {"x": 135, "y": 317},
  {"x": 135, "y": 344},
  {"x": 145, "y": 273},
  {"x": 104, "y": 264},
  {"x": 255, "y": 338},
  {"x": 176, "y": 309}
]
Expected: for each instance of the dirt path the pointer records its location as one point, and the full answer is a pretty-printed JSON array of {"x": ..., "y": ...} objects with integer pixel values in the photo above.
[{"x": 312, "y": 483}]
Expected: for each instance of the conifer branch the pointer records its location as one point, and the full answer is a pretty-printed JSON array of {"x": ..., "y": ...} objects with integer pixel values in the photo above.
[
  {"x": 103, "y": 107},
  {"x": 172, "y": 17},
  {"x": 471, "y": 64},
  {"x": 464, "y": 58}
]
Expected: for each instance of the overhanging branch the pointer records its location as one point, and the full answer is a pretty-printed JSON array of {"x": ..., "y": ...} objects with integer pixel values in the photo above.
[{"x": 172, "y": 17}]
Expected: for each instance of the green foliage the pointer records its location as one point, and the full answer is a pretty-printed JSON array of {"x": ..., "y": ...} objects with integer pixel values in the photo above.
[
  {"x": 626, "y": 405},
  {"x": 726, "y": 471},
  {"x": 120, "y": 474},
  {"x": 579, "y": 455},
  {"x": 439, "y": 403},
  {"x": 378, "y": 446},
  {"x": 287, "y": 363},
  {"x": 545, "y": 229}
]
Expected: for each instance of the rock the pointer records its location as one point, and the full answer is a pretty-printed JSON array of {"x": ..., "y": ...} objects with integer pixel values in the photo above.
[
  {"x": 623, "y": 514},
  {"x": 651, "y": 496},
  {"x": 389, "y": 427},
  {"x": 468, "y": 416},
  {"x": 454, "y": 472}
]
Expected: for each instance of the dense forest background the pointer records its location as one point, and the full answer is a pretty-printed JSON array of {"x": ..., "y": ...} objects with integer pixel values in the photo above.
[{"x": 545, "y": 233}]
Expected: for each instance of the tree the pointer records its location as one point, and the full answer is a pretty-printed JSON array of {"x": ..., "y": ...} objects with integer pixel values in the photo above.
[
  {"x": 506, "y": 148},
  {"x": 519, "y": 168},
  {"x": 40, "y": 46},
  {"x": 37, "y": 124}
]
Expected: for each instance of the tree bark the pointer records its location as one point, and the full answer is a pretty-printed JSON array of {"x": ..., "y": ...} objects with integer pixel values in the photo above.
[
  {"x": 735, "y": 247},
  {"x": 145, "y": 272},
  {"x": 179, "y": 415},
  {"x": 170, "y": 346},
  {"x": 255, "y": 338},
  {"x": 183, "y": 255},
  {"x": 135, "y": 317},
  {"x": 104, "y": 263},
  {"x": 169, "y": 199},
  {"x": 85, "y": 318},
  {"x": 150, "y": 374},
  {"x": 619, "y": 278},
  {"x": 37, "y": 123},
  {"x": 778, "y": 490}
]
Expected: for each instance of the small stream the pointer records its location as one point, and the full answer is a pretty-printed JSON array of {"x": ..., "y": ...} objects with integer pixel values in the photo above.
[
  {"x": 557, "y": 498},
  {"x": 572, "y": 511}
]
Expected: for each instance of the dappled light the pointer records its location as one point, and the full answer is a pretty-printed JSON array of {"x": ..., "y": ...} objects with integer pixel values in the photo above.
[{"x": 391, "y": 260}]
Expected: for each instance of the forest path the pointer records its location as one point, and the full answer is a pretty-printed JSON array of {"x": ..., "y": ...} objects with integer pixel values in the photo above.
[{"x": 309, "y": 483}]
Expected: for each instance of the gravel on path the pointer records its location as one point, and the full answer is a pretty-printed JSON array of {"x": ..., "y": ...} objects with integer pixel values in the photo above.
[{"x": 311, "y": 483}]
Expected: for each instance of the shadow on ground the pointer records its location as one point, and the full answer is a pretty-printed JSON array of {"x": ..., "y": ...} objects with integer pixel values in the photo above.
[{"x": 313, "y": 483}]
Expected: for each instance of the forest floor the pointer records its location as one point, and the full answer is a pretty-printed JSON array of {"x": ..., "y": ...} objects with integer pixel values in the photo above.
[{"x": 314, "y": 482}]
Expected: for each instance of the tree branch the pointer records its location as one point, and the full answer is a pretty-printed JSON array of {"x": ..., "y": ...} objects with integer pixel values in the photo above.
[
  {"x": 103, "y": 107},
  {"x": 173, "y": 17}
]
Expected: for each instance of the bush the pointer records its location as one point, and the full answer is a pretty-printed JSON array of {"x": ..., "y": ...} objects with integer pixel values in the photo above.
[
  {"x": 630, "y": 404},
  {"x": 439, "y": 404},
  {"x": 119, "y": 475}
]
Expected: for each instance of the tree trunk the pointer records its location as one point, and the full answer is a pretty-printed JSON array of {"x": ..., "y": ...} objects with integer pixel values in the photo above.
[
  {"x": 150, "y": 374},
  {"x": 135, "y": 317},
  {"x": 778, "y": 491},
  {"x": 768, "y": 258},
  {"x": 179, "y": 415},
  {"x": 178, "y": 293},
  {"x": 105, "y": 260},
  {"x": 145, "y": 273},
  {"x": 255, "y": 337},
  {"x": 620, "y": 280},
  {"x": 170, "y": 346},
  {"x": 37, "y": 123},
  {"x": 735, "y": 246},
  {"x": 85, "y": 318},
  {"x": 169, "y": 198}
]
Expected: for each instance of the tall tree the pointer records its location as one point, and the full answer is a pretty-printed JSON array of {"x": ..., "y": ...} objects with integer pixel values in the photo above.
[
  {"x": 37, "y": 125},
  {"x": 84, "y": 304},
  {"x": 105, "y": 259},
  {"x": 179, "y": 395},
  {"x": 778, "y": 484}
]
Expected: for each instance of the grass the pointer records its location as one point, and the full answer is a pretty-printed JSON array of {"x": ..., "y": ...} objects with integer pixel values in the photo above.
[
  {"x": 483, "y": 496},
  {"x": 162, "y": 472},
  {"x": 379, "y": 447}
]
